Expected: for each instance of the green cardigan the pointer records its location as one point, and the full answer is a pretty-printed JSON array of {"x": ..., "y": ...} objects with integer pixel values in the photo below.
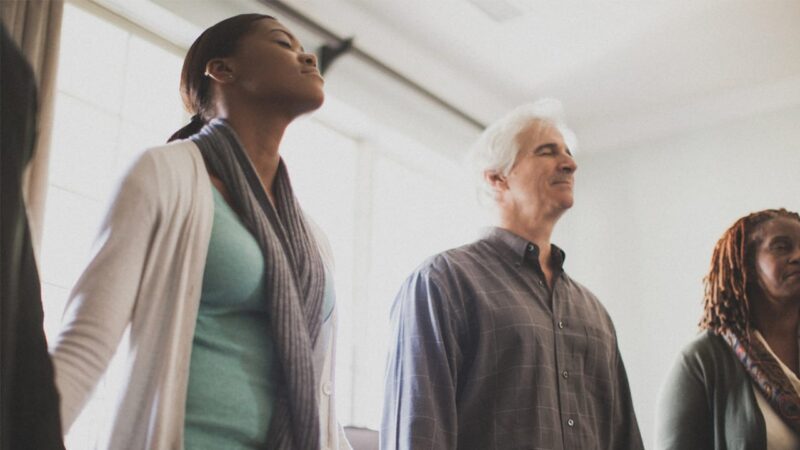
[{"x": 707, "y": 401}]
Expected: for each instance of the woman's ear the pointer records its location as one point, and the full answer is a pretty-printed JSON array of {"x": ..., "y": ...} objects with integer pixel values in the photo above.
[{"x": 219, "y": 70}]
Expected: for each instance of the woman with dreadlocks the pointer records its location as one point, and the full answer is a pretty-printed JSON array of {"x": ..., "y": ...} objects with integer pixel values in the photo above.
[{"x": 736, "y": 385}]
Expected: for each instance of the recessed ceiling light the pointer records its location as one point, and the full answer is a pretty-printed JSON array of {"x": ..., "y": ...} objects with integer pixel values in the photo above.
[{"x": 503, "y": 10}]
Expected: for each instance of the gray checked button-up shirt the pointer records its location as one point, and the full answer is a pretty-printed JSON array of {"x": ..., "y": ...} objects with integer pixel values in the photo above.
[{"x": 486, "y": 357}]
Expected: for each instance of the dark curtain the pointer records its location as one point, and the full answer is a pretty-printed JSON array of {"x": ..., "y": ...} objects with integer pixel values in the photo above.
[
  {"x": 35, "y": 26},
  {"x": 29, "y": 406}
]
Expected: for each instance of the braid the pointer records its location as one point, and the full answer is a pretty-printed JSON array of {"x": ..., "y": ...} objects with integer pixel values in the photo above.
[{"x": 726, "y": 300}]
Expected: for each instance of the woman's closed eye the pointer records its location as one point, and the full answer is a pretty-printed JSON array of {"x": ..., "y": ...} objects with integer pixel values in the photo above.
[{"x": 780, "y": 245}]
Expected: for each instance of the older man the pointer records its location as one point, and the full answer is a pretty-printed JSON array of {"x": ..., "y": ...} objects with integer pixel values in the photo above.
[{"x": 496, "y": 347}]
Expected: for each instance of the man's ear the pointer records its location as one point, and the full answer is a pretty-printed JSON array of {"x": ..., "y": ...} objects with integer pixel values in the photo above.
[
  {"x": 496, "y": 180},
  {"x": 219, "y": 69}
]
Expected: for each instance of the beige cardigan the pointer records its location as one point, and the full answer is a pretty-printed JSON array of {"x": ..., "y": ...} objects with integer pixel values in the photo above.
[{"x": 147, "y": 273}]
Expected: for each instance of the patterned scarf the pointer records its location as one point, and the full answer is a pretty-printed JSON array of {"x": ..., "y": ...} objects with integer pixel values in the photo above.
[
  {"x": 768, "y": 375},
  {"x": 295, "y": 281}
]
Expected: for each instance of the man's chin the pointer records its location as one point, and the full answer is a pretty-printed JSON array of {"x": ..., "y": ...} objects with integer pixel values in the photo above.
[
  {"x": 559, "y": 208},
  {"x": 567, "y": 203}
]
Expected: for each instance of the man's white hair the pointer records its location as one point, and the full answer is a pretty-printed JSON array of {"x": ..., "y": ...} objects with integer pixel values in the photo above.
[{"x": 496, "y": 149}]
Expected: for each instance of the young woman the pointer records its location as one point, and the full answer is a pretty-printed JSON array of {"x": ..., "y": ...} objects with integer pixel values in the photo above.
[
  {"x": 736, "y": 385},
  {"x": 208, "y": 259}
]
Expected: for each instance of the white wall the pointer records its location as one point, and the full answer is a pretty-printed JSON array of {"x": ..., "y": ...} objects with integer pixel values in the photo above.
[{"x": 645, "y": 222}]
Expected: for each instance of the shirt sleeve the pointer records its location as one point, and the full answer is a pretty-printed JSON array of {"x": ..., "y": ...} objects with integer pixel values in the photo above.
[
  {"x": 683, "y": 418},
  {"x": 101, "y": 303},
  {"x": 421, "y": 376},
  {"x": 626, "y": 434}
]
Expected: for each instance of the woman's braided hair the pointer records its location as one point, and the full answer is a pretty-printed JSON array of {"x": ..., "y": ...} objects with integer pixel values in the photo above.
[{"x": 726, "y": 300}]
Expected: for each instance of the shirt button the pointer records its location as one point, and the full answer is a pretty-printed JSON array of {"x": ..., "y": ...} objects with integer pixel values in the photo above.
[
  {"x": 326, "y": 388},
  {"x": 561, "y": 324},
  {"x": 571, "y": 423},
  {"x": 565, "y": 374}
]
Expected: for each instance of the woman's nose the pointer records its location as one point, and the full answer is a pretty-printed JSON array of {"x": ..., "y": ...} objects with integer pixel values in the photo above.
[
  {"x": 309, "y": 59},
  {"x": 794, "y": 258}
]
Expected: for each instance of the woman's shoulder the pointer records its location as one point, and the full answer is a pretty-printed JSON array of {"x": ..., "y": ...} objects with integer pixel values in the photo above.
[
  {"x": 165, "y": 165},
  {"x": 167, "y": 175},
  {"x": 705, "y": 343},
  {"x": 707, "y": 352},
  {"x": 177, "y": 155}
]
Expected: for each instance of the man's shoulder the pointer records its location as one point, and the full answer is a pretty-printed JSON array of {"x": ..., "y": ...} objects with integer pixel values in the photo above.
[
  {"x": 466, "y": 258},
  {"x": 444, "y": 282}
]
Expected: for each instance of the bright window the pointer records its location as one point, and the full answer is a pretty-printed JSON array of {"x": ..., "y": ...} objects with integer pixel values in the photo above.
[{"x": 117, "y": 94}]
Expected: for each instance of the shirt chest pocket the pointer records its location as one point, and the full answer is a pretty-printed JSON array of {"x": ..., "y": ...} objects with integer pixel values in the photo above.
[
  {"x": 587, "y": 348},
  {"x": 589, "y": 353},
  {"x": 515, "y": 335},
  {"x": 584, "y": 339},
  {"x": 598, "y": 349}
]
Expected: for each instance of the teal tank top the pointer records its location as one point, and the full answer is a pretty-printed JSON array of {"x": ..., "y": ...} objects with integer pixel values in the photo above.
[{"x": 231, "y": 388}]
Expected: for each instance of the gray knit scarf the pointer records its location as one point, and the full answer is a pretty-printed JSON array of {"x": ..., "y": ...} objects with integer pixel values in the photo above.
[{"x": 295, "y": 281}]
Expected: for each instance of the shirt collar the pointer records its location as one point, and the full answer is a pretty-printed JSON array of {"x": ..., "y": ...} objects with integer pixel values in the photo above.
[{"x": 519, "y": 249}]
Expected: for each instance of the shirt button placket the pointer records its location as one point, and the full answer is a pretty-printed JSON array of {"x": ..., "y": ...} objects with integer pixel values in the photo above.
[
  {"x": 561, "y": 324},
  {"x": 565, "y": 373}
]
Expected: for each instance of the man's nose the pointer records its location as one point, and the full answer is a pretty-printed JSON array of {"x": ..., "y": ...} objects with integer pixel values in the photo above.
[{"x": 567, "y": 164}]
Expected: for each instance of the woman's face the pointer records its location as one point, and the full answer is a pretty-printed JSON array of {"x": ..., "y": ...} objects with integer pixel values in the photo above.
[
  {"x": 271, "y": 65},
  {"x": 777, "y": 260}
]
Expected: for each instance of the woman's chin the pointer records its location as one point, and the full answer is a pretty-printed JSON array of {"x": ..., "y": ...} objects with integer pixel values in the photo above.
[{"x": 312, "y": 102}]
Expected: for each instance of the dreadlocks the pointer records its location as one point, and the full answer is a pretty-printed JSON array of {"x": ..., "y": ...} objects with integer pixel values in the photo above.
[{"x": 726, "y": 303}]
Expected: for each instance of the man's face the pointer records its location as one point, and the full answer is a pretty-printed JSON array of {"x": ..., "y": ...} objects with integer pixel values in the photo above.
[{"x": 542, "y": 178}]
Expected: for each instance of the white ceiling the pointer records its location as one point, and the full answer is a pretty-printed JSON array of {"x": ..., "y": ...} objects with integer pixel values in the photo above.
[{"x": 626, "y": 70}]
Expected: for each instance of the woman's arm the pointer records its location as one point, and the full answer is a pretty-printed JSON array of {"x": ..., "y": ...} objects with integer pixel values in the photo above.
[
  {"x": 683, "y": 418},
  {"x": 101, "y": 303}
]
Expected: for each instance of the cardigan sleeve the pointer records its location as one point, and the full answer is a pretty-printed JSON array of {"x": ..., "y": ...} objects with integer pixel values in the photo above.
[
  {"x": 683, "y": 417},
  {"x": 101, "y": 303},
  {"x": 335, "y": 435}
]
